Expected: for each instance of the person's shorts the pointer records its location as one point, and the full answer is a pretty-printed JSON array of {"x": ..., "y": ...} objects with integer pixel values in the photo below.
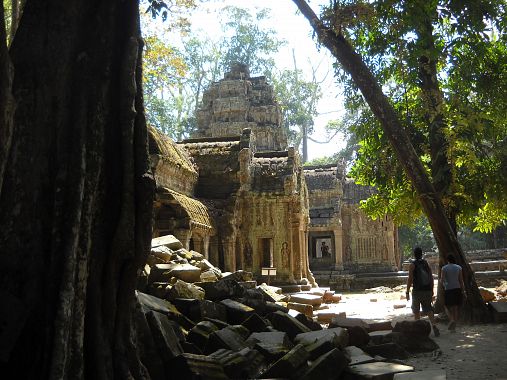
[
  {"x": 453, "y": 297},
  {"x": 422, "y": 299}
]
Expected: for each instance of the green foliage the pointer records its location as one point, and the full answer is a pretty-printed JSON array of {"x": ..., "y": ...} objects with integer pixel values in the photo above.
[{"x": 468, "y": 41}]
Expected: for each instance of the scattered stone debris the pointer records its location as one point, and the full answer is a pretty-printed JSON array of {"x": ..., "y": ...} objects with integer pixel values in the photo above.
[{"x": 196, "y": 322}]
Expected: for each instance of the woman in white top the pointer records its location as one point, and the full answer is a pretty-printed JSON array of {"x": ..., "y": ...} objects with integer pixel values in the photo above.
[{"x": 452, "y": 280}]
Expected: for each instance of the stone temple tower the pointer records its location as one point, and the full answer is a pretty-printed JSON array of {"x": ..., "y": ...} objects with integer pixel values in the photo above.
[{"x": 239, "y": 101}]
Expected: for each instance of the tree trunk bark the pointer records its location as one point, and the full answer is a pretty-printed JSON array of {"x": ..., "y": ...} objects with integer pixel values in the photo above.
[
  {"x": 75, "y": 207},
  {"x": 475, "y": 309}
]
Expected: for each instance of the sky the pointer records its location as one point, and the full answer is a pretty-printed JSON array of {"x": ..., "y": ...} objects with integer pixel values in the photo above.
[{"x": 296, "y": 30}]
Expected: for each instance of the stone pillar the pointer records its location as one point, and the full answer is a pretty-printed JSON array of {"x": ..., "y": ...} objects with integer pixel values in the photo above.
[
  {"x": 198, "y": 243},
  {"x": 206, "y": 247},
  {"x": 338, "y": 248},
  {"x": 184, "y": 237},
  {"x": 229, "y": 255}
]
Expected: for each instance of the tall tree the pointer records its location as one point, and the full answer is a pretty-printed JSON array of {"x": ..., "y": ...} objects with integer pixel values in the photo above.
[
  {"x": 76, "y": 197},
  {"x": 332, "y": 38}
]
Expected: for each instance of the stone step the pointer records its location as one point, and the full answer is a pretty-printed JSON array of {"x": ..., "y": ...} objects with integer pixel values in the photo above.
[{"x": 499, "y": 311}]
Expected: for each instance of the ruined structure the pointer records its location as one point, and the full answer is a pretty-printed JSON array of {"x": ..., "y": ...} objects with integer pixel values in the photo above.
[{"x": 236, "y": 193}]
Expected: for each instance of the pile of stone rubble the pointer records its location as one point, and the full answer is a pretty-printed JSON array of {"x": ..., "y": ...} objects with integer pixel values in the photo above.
[{"x": 195, "y": 322}]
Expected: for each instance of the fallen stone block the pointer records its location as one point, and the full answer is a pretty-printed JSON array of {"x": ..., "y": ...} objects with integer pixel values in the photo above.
[
  {"x": 375, "y": 325},
  {"x": 272, "y": 345},
  {"x": 413, "y": 343},
  {"x": 288, "y": 364},
  {"x": 164, "y": 336},
  {"x": 435, "y": 374},
  {"x": 182, "y": 289},
  {"x": 163, "y": 253},
  {"x": 387, "y": 350},
  {"x": 272, "y": 293},
  {"x": 158, "y": 289},
  {"x": 328, "y": 296},
  {"x": 358, "y": 336},
  {"x": 222, "y": 289},
  {"x": 237, "y": 312},
  {"x": 306, "y": 338},
  {"x": 185, "y": 272},
  {"x": 254, "y": 323},
  {"x": 379, "y": 337},
  {"x": 240, "y": 276},
  {"x": 284, "y": 322},
  {"x": 149, "y": 302},
  {"x": 328, "y": 366},
  {"x": 336, "y": 298},
  {"x": 357, "y": 356},
  {"x": 191, "y": 366},
  {"x": 375, "y": 371},
  {"x": 168, "y": 240},
  {"x": 160, "y": 273},
  {"x": 327, "y": 316},
  {"x": 200, "y": 333},
  {"x": 499, "y": 310},
  {"x": 414, "y": 329},
  {"x": 255, "y": 363},
  {"x": 308, "y": 322},
  {"x": 227, "y": 338},
  {"x": 302, "y": 308},
  {"x": 249, "y": 285},
  {"x": 208, "y": 276},
  {"x": 322, "y": 345},
  {"x": 399, "y": 305},
  {"x": 233, "y": 363},
  {"x": 306, "y": 298},
  {"x": 347, "y": 322}
]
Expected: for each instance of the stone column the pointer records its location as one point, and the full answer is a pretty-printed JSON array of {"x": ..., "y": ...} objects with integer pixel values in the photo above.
[
  {"x": 206, "y": 247},
  {"x": 184, "y": 237},
  {"x": 198, "y": 243},
  {"x": 229, "y": 255},
  {"x": 338, "y": 248}
]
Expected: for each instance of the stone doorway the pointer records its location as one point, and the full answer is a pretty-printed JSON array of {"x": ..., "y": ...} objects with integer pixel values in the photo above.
[
  {"x": 321, "y": 250},
  {"x": 266, "y": 252}
]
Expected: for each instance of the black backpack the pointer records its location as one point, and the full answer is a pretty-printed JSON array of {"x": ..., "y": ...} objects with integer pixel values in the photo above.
[{"x": 422, "y": 278}]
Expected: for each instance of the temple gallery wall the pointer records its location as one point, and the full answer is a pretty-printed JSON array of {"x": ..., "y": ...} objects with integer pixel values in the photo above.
[{"x": 238, "y": 194}]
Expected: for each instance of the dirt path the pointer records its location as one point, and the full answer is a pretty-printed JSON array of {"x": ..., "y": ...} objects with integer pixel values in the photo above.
[{"x": 473, "y": 352}]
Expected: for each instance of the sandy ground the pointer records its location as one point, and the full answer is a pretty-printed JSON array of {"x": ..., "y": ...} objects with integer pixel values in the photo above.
[{"x": 473, "y": 352}]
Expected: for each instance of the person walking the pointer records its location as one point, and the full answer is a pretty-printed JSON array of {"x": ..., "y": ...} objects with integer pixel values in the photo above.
[
  {"x": 421, "y": 278},
  {"x": 451, "y": 277}
]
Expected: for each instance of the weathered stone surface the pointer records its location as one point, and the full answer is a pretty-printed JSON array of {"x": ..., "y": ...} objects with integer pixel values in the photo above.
[
  {"x": 306, "y": 298},
  {"x": 328, "y": 366},
  {"x": 222, "y": 289},
  {"x": 240, "y": 276},
  {"x": 284, "y": 322},
  {"x": 254, "y": 323},
  {"x": 255, "y": 362},
  {"x": 358, "y": 336},
  {"x": 208, "y": 276},
  {"x": 164, "y": 336},
  {"x": 182, "y": 289},
  {"x": 487, "y": 295},
  {"x": 237, "y": 312},
  {"x": 227, "y": 338},
  {"x": 191, "y": 366},
  {"x": 378, "y": 325},
  {"x": 312, "y": 336},
  {"x": 288, "y": 364},
  {"x": 272, "y": 345},
  {"x": 308, "y": 322},
  {"x": 185, "y": 272},
  {"x": 163, "y": 253},
  {"x": 164, "y": 307},
  {"x": 325, "y": 316},
  {"x": 248, "y": 285},
  {"x": 375, "y": 371},
  {"x": 200, "y": 333},
  {"x": 415, "y": 329},
  {"x": 379, "y": 337},
  {"x": 413, "y": 343},
  {"x": 160, "y": 273},
  {"x": 434, "y": 374},
  {"x": 387, "y": 350},
  {"x": 322, "y": 345},
  {"x": 357, "y": 356},
  {"x": 302, "y": 308},
  {"x": 499, "y": 311},
  {"x": 233, "y": 363},
  {"x": 272, "y": 293},
  {"x": 348, "y": 322},
  {"x": 168, "y": 240}
]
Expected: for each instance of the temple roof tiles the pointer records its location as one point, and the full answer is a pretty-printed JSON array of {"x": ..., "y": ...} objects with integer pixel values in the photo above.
[{"x": 162, "y": 145}]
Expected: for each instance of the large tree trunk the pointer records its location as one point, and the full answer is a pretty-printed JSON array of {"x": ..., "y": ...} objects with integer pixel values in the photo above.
[
  {"x": 75, "y": 206},
  {"x": 475, "y": 309}
]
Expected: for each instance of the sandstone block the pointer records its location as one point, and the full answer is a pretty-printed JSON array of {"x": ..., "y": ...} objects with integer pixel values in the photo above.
[
  {"x": 222, "y": 289},
  {"x": 348, "y": 322},
  {"x": 327, "y": 316},
  {"x": 415, "y": 329},
  {"x": 328, "y": 366},
  {"x": 191, "y": 366},
  {"x": 288, "y": 364},
  {"x": 376, "y": 371},
  {"x": 302, "y": 308},
  {"x": 164, "y": 336},
  {"x": 272, "y": 345},
  {"x": 357, "y": 356},
  {"x": 163, "y": 253},
  {"x": 272, "y": 293},
  {"x": 306, "y": 298},
  {"x": 200, "y": 333},
  {"x": 434, "y": 374},
  {"x": 387, "y": 350},
  {"x": 227, "y": 338},
  {"x": 487, "y": 295},
  {"x": 284, "y": 322},
  {"x": 182, "y": 289},
  {"x": 208, "y": 276},
  {"x": 185, "y": 272},
  {"x": 168, "y": 240},
  {"x": 236, "y": 311},
  {"x": 358, "y": 336},
  {"x": 342, "y": 336},
  {"x": 254, "y": 323}
]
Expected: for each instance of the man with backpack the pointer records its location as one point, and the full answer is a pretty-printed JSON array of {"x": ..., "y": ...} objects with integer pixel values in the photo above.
[{"x": 421, "y": 278}]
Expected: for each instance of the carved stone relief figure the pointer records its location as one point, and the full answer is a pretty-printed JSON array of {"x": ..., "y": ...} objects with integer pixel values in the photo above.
[{"x": 285, "y": 254}]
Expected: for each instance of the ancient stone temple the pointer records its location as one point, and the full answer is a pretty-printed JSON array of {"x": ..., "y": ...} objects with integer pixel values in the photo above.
[
  {"x": 354, "y": 242},
  {"x": 236, "y": 193}
]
